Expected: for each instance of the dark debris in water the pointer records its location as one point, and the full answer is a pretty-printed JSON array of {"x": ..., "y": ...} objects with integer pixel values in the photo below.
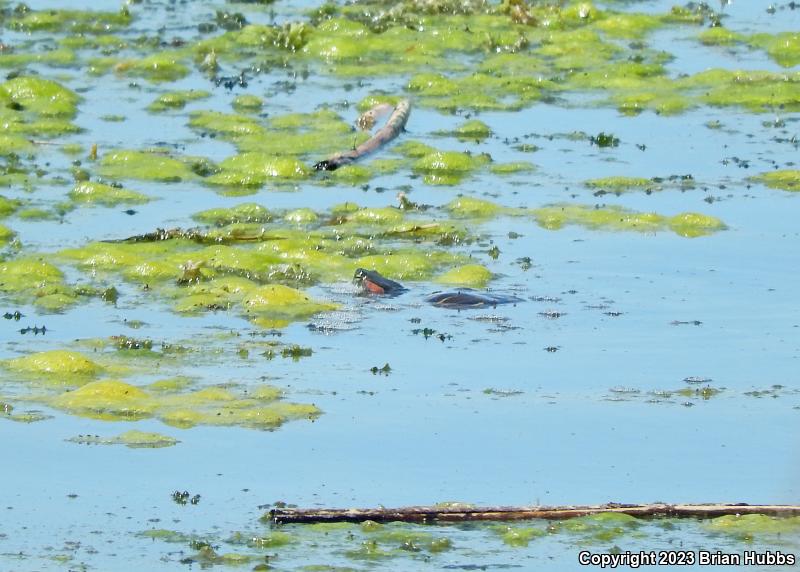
[
  {"x": 185, "y": 497},
  {"x": 385, "y": 370},
  {"x": 430, "y": 333},
  {"x": 603, "y": 139},
  {"x": 33, "y": 329}
]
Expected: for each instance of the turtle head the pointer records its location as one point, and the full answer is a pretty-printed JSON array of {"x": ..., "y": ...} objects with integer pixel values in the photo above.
[{"x": 359, "y": 276}]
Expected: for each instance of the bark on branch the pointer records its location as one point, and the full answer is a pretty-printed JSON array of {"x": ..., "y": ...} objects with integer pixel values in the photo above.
[
  {"x": 461, "y": 513},
  {"x": 394, "y": 126}
]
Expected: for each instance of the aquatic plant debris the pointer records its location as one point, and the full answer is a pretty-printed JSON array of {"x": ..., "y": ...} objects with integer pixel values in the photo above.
[{"x": 133, "y": 439}]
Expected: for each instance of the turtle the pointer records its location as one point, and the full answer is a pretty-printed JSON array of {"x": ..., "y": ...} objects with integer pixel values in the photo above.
[
  {"x": 468, "y": 298},
  {"x": 373, "y": 283}
]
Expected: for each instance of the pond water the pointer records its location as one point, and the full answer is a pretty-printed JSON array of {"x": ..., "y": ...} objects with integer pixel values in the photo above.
[{"x": 651, "y": 357}]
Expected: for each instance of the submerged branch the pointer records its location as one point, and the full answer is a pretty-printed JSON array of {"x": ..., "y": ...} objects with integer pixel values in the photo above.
[
  {"x": 461, "y": 513},
  {"x": 195, "y": 235},
  {"x": 394, "y": 126}
]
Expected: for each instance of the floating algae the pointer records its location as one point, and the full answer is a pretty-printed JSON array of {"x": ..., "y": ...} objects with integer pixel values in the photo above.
[
  {"x": 145, "y": 166},
  {"x": 107, "y": 195},
  {"x": 447, "y": 167},
  {"x": 689, "y": 225},
  {"x": 245, "y": 212},
  {"x": 621, "y": 184},
  {"x": 156, "y": 68},
  {"x": 174, "y": 100},
  {"x": 115, "y": 400},
  {"x": 248, "y": 103},
  {"x": 255, "y": 169},
  {"x": 749, "y": 527},
  {"x": 68, "y": 21},
  {"x": 57, "y": 366},
  {"x": 133, "y": 439},
  {"x": 518, "y": 536},
  {"x": 788, "y": 179},
  {"x": 42, "y": 97},
  {"x": 470, "y": 275}
]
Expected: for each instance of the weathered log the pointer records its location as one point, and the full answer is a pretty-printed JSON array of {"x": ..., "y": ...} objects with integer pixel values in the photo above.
[
  {"x": 394, "y": 126},
  {"x": 463, "y": 513}
]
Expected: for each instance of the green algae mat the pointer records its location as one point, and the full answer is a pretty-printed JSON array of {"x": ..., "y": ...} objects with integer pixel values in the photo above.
[{"x": 182, "y": 339}]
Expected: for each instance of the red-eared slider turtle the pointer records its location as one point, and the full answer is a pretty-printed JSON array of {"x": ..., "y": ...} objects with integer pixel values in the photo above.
[{"x": 373, "y": 283}]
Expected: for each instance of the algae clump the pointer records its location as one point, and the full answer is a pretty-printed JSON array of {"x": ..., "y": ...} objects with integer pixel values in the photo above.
[
  {"x": 446, "y": 167},
  {"x": 144, "y": 166},
  {"x": 55, "y": 363},
  {"x": 248, "y": 103},
  {"x": 245, "y": 212},
  {"x": 41, "y": 96},
  {"x": 470, "y": 275},
  {"x": 788, "y": 179},
  {"x": 620, "y": 184},
  {"x": 177, "y": 99},
  {"x": 6, "y": 234},
  {"x": 283, "y": 302},
  {"x": 99, "y": 193},
  {"x": 691, "y": 225},
  {"x": 25, "y": 275},
  {"x": 156, "y": 68},
  {"x": 106, "y": 399},
  {"x": 472, "y": 207},
  {"x": 254, "y": 169},
  {"x": 784, "y": 47},
  {"x": 748, "y": 527}
]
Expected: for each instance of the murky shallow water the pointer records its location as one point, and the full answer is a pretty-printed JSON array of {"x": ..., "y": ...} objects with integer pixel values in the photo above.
[{"x": 486, "y": 415}]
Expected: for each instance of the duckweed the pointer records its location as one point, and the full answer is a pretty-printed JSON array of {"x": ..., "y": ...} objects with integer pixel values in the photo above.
[{"x": 98, "y": 193}]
